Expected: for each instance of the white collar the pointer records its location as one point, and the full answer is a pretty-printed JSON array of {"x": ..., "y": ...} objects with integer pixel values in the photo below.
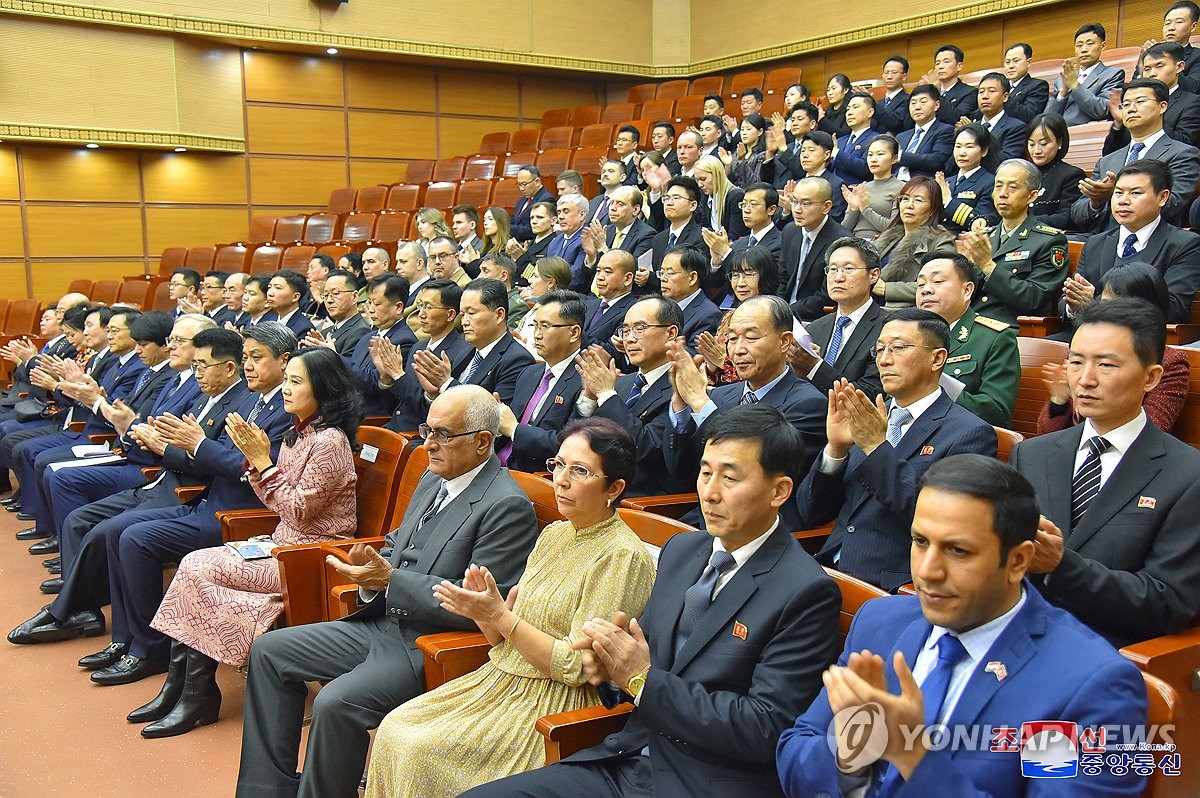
[
  {"x": 1143, "y": 235},
  {"x": 744, "y": 552},
  {"x": 856, "y": 315},
  {"x": 921, "y": 405},
  {"x": 460, "y": 483},
  {"x": 1119, "y": 439},
  {"x": 653, "y": 374}
]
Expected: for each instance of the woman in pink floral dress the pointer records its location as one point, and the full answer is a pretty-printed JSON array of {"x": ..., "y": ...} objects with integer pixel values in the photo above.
[{"x": 219, "y": 602}]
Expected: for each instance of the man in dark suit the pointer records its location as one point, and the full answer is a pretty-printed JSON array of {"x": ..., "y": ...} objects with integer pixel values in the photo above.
[
  {"x": 958, "y": 99},
  {"x": 1027, "y": 96},
  {"x": 1117, "y": 544},
  {"x": 680, "y": 199},
  {"x": 638, "y": 401},
  {"x": 662, "y": 139},
  {"x": 891, "y": 112},
  {"x": 614, "y": 282},
  {"x": 731, "y": 644},
  {"x": 816, "y": 153},
  {"x": 387, "y": 295},
  {"x": 1081, "y": 92},
  {"x": 852, "y": 268},
  {"x": 867, "y": 476},
  {"x": 284, "y": 293},
  {"x": 234, "y": 292},
  {"x": 23, "y": 354},
  {"x": 568, "y": 244},
  {"x": 621, "y": 228},
  {"x": 1179, "y": 25},
  {"x": 529, "y": 182},
  {"x": 782, "y": 164},
  {"x": 611, "y": 177},
  {"x": 341, "y": 301},
  {"x": 993, "y": 114},
  {"x": 805, "y": 246},
  {"x": 1164, "y": 61},
  {"x": 760, "y": 335},
  {"x": 212, "y": 297},
  {"x": 925, "y": 148},
  {"x": 1143, "y": 191},
  {"x": 920, "y": 661},
  {"x": 682, "y": 279},
  {"x": 850, "y": 162},
  {"x": 545, "y": 395},
  {"x": 759, "y": 205},
  {"x": 466, "y": 509},
  {"x": 1143, "y": 104}
]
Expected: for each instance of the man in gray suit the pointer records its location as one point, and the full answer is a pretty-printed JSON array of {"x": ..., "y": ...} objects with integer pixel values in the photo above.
[
  {"x": 466, "y": 509},
  {"x": 1081, "y": 92},
  {"x": 1143, "y": 103}
]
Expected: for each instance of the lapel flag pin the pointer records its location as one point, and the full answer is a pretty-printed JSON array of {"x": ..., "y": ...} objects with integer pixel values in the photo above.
[
  {"x": 926, "y": 450},
  {"x": 997, "y": 668},
  {"x": 210, "y": 422},
  {"x": 558, "y": 400},
  {"x": 1147, "y": 502},
  {"x": 740, "y": 630}
]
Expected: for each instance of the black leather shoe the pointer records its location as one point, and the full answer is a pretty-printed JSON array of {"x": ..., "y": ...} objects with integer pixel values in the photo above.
[
  {"x": 129, "y": 669},
  {"x": 15, "y": 507},
  {"x": 87, "y": 623},
  {"x": 9, "y": 500},
  {"x": 47, "y": 546},
  {"x": 23, "y": 516},
  {"x": 102, "y": 659},
  {"x": 22, "y": 634},
  {"x": 53, "y": 564},
  {"x": 52, "y": 586},
  {"x": 33, "y": 533}
]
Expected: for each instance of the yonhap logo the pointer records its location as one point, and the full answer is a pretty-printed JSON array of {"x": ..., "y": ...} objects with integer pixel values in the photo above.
[{"x": 862, "y": 734}]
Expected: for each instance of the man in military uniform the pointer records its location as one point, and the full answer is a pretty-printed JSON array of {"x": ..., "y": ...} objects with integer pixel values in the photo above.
[
  {"x": 1023, "y": 261},
  {"x": 984, "y": 358}
]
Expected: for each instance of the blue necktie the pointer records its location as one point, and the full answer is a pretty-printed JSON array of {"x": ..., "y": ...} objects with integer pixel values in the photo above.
[
  {"x": 915, "y": 141},
  {"x": 635, "y": 392},
  {"x": 598, "y": 314},
  {"x": 1135, "y": 151},
  {"x": 753, "y": 241},
  {"x": 141, "y": 382},
  {"x": 749, "y": 397},
  {"x": 699, "y": 596},
  {"x": 671, "y": 239},
  {"x": 475, "y": 361},
  {"x": 1127, "y": 249},
  {"x": 897, "y": 418},
  {"x": 835, "y": 342}
]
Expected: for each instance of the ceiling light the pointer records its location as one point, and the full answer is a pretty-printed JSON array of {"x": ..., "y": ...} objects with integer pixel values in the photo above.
[
  {"x": 181, "y": 149},
  {"x": 332, "y": 51},
  {"x": 91, "y": 145}
]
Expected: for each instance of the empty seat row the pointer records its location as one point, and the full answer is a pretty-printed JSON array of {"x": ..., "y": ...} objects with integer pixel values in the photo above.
[{"x": 775, "y": 81}]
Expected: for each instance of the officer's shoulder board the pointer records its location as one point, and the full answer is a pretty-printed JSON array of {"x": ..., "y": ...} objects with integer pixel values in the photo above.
[{"x": 992, "y": 324}]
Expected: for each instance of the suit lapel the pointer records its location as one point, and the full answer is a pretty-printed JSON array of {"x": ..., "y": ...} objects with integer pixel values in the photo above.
[
  {"x": 1014, "y": 648},
  {"x": 1138, "y": 467},
  {"x": 923, "y": 427},
  {"x": 858, "y": 336},
  {"x": 1155, "y": 244},
  {"x": 651, "y": 395},
  {"x": 454, "y": 514},
  {"x": 423, "y": 498},
  {"x": 568, "y": 382}
]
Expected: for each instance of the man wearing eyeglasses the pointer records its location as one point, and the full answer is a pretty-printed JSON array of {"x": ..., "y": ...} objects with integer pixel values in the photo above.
[
  {"x": 680, "y": 200},
  {"x": 529, "y": 183},
  {"x": 758, "y": 211},
  {"x": 466, "y": 509},
  {"x": 443, "y": 261},
  {"x": 545, "y": 394},
  {"x": 385, "y": 308},
  {"x": 867, "y": 475},
  {"x": 341, "y": 302},
  {"x": 804, "y": 248}
]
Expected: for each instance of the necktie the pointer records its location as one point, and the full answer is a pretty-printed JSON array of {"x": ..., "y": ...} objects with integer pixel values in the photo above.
[
  {"x": 1127, "y": 248},
  {"x": 805, "y": 245},
  {"x": 915, "y": 141},
  {"x": 749, "y": 397},
  {"x": 618, "y": 238},
  {"x": 1135, "y": 152},
  {"x": 897, "y": 418},
  {"x": 256, "y": 411},
  {"x": 475, "y": 361},
  {"x": 671, "y": 239},
  {"x": 1086, "y": 482},
  {"x": 530, "y": 408},
  {"x": 443, "y": 491},
  {"x": 753, "y": 241},
  {"x": 835, "y": 342},
  {"x": 987, "y": 126},
  {"x": 635, "y": 392},
  {"x": 602, "y": 211},
  {"x": 699, "y": 596},
  {"x": 142, "y": 379},
  {"x": 600, "y": 311}
]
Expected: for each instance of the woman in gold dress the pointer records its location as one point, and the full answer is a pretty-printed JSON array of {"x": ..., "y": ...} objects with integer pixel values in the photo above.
[{"x": 480, "y": 727}]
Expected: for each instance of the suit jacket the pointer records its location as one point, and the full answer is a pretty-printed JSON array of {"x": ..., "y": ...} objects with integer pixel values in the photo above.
[
  {"x": 20, "y": 376},
  {"x": 731, "y": 213},
  {"x": 1054, "y": 668},
  {"x": 712, "y": 715},
  {"x": 873, "y": 496},
  {"x": 1131, "y": 569},
  {"x": 1031, "y": 266},
  {"x": 598, "y": 208},
  {"x": 690, "y": 235},
  {"x": 222, "y": 315},
  {"x": 519, "y": 223},
  {"x": 407, "y": 393},
  {"x": 637, "y": 241},
  {"x": 1060, "y": 190},
  {"x": 649, "y": 423},
  {"x": 142, "y": 400},
  {"x": 118, "y": 382},
  {"x": 176, "y": 401},
  {"x": 571, "y": 250},
  {"x": 806, "y": 281},
  {"x": 1181, "y": 121},
  {"x": 1174, "y": 252},
  {"x": 971, "y": 199},
  {"x": 891, "y": 114},
  {"x": 933, "y": 150},
  {"x": 700, "y": 315},
  {"x": 959, "y": 100},
  {"x": 346, "y": 337},
  {"x": 376, "y": 400},
  {"x": 1028, "y": 98},
  {"x": 601, "y": 330},
  {"x": 850, "y": 164},
  {"x": 297, "y": 323},
  {"x": 537, "y": 441},
  {"x": 499, "y": 370},
  {"x": 492, "y": 522},
  {"x": 854, "y": 361},
  {"x": 1088, "y": 101},
  {"x": 177, "y": 460},
  {"x": 1009, "y": 132}
]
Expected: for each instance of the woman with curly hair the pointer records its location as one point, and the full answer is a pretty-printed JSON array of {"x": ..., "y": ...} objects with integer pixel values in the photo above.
[{"x": 218, "y": 602}]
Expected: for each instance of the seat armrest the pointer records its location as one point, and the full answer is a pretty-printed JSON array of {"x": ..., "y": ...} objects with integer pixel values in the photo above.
[
  {"x": 101, "y": 438},
  {"x": 673, "y": 505},
  {"x": 188, "y": 492},
  {"x": 151, "y": 472},
  {"x": 245, "y": 524},
  {"x": 449, "y": 655},
  {"x": 76, "y": 426},
  {"x": 1038, "y": 326},
  {"x": 567, "y": 733},
  {"x": 302, "y": 575},
  {"x": 811, "y": 540},
  {"x": 341, "y": 595},
  {"x": 375, "y": 421}
]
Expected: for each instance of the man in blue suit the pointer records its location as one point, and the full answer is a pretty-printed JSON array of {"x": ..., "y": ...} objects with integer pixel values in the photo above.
[
  {"x": 867, "y": 476},
  {"x": 387, "y": 295},
  {"x": 740, "y": 623},
  {"x": 978, "y": 649},
  {"x": 1007, "y": 130},
  {"x": 568, "y": 244},
  {"x": 682, "y": 279},
  {"x": 529, "y": 181},
  {"x": 925, "y": 148},
  {"x": 850, "y": 163}
]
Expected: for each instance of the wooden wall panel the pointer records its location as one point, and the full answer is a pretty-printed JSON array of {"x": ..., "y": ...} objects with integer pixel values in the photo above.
[
  {"x": 394, "y": 87},
  {"x": 51, "y": 278},
  {"x": 462, "y": 136},
  {"x": 84, "y": 231},
  {"x": 12, "y": 277},
  {"x": 294, "y": 181},
  {"x": 192, "y": 227},
  {"x": 209, "y": 81},
  {"x": 285, "y": 78},
  {"x": 9, "y": 185},
  {"x": 295, "y": 131},
  {"x": 194, "y": 178},
  {"x": 539, "y": 94},
  {"x": 370, "y": 173},
  {"x": 80, "y": 175},
  {"x": 12, "y": 241},
  {"x": 460, "y": 93},
  {"x": 978, "y": 40},
  {"x": 390, "y": 135}
]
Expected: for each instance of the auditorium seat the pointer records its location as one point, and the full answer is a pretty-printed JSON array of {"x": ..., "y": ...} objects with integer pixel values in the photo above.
[
  {"x": 296, "y": 257},
  {"x": 84, "y": 286},
  {"x": 494, "y": 143},
  {"x": 585, "y": 115},
  {"x": 262, "y": 230},
  {"x": 266, "y": 259},
  {"x": 371, "y": 199},
  {"x": 744, "y": 80},
  {"x": 440, "y": 195},
  {"x": 505, "y": 193},
  {"x": 475, "y": 192},
  {"x": 481, "y": 167},
  {"x": 201, "y": 258},
  {"x": 290, "y": 229},
  {"x": 321, "y": 228},
  {"x": 515, "y": 160},
  {"x": 709, "y": 84},
  {"x": 335, "y": 251},
  {"x": 555, "y": 117},
  {"x": 671, "y": 89},
  {"x": 1169, "y": 667},
  {"x": 1006, "y": 439},
  {"x": 133, "y": 292},
  {"x": 1032, "y": 393},
  {"x": 586, "y": 159},
  {"x": 618, "y": 112},
  {"x": 162, "y": 298},
  {"x": 404, "y": 197},
  {"x": 104, "y": 292},
  {"x": 358, "y": 227},
  {"x": 598, "y": 135},
  {"x": 449, "y": 168},
  {"x": 524, "y": 140},
  {"x": 641, "y": 92},
  {"x": 642, "y": 126},
  {"x": 1087, "y": 144},
  {"x": 551, "y": 162},
  {"x": 232, "y": 258},
  {"x": 173, "y": 258},
  {"x": 391, "y": 227},
  {"x": 24, "y": 315},
  {"x": 777, "y": 80},
  {"x": 420, "y": 171},
  {"x": 341, "y": 200},
  {"x": 654, "y": 110},
  {"x": 688, "y": 111},
  {"x": 558, "y": 137},
  {"x": 1187, "y": 427}
]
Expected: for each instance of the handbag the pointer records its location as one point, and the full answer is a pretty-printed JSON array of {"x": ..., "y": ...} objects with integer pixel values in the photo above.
[{"x": 31, "y": 410}]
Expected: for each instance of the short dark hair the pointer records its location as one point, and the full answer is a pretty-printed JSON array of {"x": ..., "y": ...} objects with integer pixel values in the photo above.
[
  {"x": 339, "y": 399},
  {"x": 1056, "y": 126},
  {"x": 131, "y": 315},
  {"x": 753, "y": 92},
  {"x": 889, "y": 141},
  {"x": 1092, "y": 27},
  {"x": 959, "y": 56},
  {"x": 807, "y": 108},
  {"x": 449, "y": 292},
  {"x": 220, "y": 274},
  {"x": 933, "y": 327},
  {"x": 570, "y": 305},
  {"x": 262, "y": 280},
  {"x": 820, "y": 138},
  {"x": 666, "y": 310},
  {"x": 618, "y": 163},
  {"x": 1172, "y": 50},
  {"x": 350, "y": 277},
  {"x": 899, "y": 59},
  {"x": 691, "y": 258},
  {"x": 225, "y": 344},
  {"x": 986, "y": 141},
  {"x": 756, "y": 120},
  {"x": 1023, "y": 47},
  {"x": 665, "y": 125},
  {"x": 926, "y": 88},
  {"x": 758, "y": 260},
  {"x": 492, "y": 293},
  {"x": 631, "y": 130},
  {"x": 711, "y": 119},
  {"x": 962, "y": 266},
  {"x": 1015, "y": 511},
  {"x": 531, "y": 169},
  {"x": 295, "y": 280},
  {"x": 572, "y": 177},
  {"x": 841, "y": 79},
  {"x": 355, "y": 261},
  {"x": 1156, "y": 170},
  {"x": 76, "y": 317},
  {"x": 611, "y": 442},
  {"x": 395, "y": 287},
  {"x": 153, "y": 326},
  {"x": 687, "y": 183},
  {"x": 720, "y": 101},
  {"x": 780, "y": 444},
  {"x": 1188, "y": 6},
  {"x": 1161, "y": 92},
  {"x": 325, "y": 260},
  {"x": 998, "y": 78},
  {"x": 862, "y": 95},
  {"x": 103, "y": 312},
  {"x": 190, "y": 276},
  {"x": 469, "y": 211},
  {"x": 770, "y": 193},
  {"x": 1145, "y": 323},
  {"x": 865, "y": 249},
  {"x": 1139, "y": 280}
]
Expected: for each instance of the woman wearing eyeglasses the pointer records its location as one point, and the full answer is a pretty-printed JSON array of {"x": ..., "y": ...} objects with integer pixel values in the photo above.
[
  {"x": 913, "y": 232},
  {"x": 752, "y": 272},
  {"x": 480, "y": 727},
  {"x": 218, "y": 602}
]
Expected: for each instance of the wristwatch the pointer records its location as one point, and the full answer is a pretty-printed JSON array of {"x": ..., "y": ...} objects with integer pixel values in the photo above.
[{"x": 634, "y": 688}]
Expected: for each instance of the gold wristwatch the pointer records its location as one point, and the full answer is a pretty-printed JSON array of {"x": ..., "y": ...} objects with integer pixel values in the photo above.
[{"x": 634, "y": 688}]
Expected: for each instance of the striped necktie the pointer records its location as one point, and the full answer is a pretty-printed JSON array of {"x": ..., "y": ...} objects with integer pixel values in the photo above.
[{"x": 1086, "y": 482}]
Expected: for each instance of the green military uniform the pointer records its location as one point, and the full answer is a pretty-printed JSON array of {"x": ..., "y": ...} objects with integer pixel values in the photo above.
[
  {"x": 1031, "y": 265},
  {"x": 984, "y": 357},
  {"x": 517, "y": 308}
]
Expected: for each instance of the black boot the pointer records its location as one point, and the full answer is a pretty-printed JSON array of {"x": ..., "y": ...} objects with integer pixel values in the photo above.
[
  {"x": 199, "y": 704},
  {"x": 172, "y": 688}
]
